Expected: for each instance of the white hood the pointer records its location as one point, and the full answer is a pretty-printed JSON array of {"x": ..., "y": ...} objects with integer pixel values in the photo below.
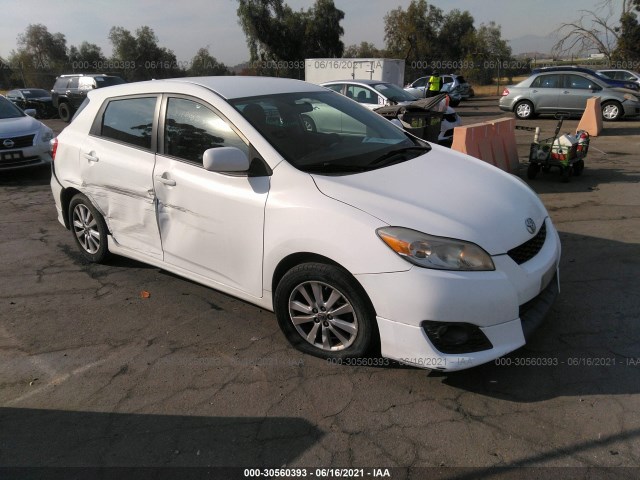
[{"x": 447, "y": 194}]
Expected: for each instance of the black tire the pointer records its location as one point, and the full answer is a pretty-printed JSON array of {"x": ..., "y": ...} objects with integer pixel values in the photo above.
[
  {"x": 89, "y": 229},
  {"x": 611, "y": 111},
  {"x": 308, "y": 123},
  {"x": 454, "y": 103},
  {"x": 565, "y": 174},
  {"x": 532, "y": 170},
  {"x": 64, "y": 111},
  {"x": 578, "y": 167},
  {"x": 312, "y": 287},
  {"x": 524, "y": 110}
]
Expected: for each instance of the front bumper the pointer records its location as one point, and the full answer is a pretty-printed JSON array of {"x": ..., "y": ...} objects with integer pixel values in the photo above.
[{"x": 505, "y": 305}]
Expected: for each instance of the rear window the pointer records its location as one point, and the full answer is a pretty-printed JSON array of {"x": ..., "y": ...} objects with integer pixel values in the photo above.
[
  {"x": 108, "y": 81},
  {"x": 130, "y": 121}
]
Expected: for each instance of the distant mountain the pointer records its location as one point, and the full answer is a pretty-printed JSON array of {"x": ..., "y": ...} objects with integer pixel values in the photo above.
[{"x": 532, "y": 43}]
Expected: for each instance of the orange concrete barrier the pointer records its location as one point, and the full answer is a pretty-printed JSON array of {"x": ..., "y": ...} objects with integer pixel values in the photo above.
[
  {"x": 466, "y": 139},
  {"x": 505, "y": 130},
  {"x": 493, "y": 142},
  {"x": 591, "y": 120}
]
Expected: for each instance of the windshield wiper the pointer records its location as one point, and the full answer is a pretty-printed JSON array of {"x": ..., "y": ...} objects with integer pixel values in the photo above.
[
  {"x": 327, "y": 167},
  {"x": 399, "y": 151}
]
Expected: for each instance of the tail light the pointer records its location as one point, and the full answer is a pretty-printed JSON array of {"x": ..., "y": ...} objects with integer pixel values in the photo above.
[
  {"x": 54, "y": 147},
  {"x": 505, "y": 92}
]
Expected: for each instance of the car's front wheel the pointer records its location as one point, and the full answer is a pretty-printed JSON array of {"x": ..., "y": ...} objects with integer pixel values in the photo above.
[
  {"x": 524, "y": 110},
  {"x": 89, "y": 229},
  {"x": 324, "y": 312},
  {"x": 611, "y": 111}
]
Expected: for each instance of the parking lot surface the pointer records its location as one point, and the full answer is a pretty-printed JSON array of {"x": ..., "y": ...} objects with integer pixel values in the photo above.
[{"x": 126, "y": 365}]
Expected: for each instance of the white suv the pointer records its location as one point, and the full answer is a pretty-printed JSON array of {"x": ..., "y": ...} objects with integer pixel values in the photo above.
[{"x": 358, "y": 235}]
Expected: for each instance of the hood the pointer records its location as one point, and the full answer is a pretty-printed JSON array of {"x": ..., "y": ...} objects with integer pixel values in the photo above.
[
  {"x": 444, "y": 193},
  {"x": 11, "y": 127},
  {"x": 635, "y": 93}
]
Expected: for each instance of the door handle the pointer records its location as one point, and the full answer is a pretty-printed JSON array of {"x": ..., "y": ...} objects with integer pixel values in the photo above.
[
  {"x": 91, "y": 156},
  {"x": 566, "y": 91},
  {"x": 166, "y": 181}
]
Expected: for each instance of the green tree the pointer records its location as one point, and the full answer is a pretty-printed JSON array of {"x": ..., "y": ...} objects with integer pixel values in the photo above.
[
  {"x": 628, "y": 47},
  {"x": 204, "y": 64},
  {"x": 490, "y": 53},
  {"x": 364, "y": 50},
  {"x": 140, "y": 57},
  {"x": 274, "y": 32},
  {"x": 455, "y": 38},
  {"x": 412, "y": 34},
  {"x": 86, "y": 58},
  {"x": 40, "y": 54}
]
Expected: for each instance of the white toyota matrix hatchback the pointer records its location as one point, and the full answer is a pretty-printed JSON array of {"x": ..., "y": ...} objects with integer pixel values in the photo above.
[{"x": 363, "y": 239}]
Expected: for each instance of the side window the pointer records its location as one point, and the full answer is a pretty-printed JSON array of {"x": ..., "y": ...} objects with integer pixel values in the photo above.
[
  {"x": 86, "y": 83},
  {"x": 361, "y": 94},
  {"x": 73, "y": 83},
  {"x": 546, "y": 81},
  {"x": 129, "y": 120},
  {"x": 191, "y": 128},
  {"x": 421, "y": 82},
  {"x": 336, "y": 88},
  {"x": 578, "y": 82}
]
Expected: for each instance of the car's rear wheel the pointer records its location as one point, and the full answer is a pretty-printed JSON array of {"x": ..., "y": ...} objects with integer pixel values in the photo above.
[
  {"x": 64, "y": 111},
  {"x": 611, "y": 111},
  {"x": 324, "y": 312},
  {"x": 89, "y": 229},
  {"x": 524, "y": 110}
]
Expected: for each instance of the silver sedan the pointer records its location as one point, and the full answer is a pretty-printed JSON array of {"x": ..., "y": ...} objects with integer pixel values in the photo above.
[{"x": 553, "y": 92}]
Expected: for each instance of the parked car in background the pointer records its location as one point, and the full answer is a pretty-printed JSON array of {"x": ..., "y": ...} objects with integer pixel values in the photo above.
[
  {"x": 454, "y": 85},
  {"x": 69, "y": 91},
  {"x": 374, "y": 94},
  {"x": 603, "y": 78},
  {"x": 35, "y": 98},
  {"x": 561, "y": 91},
  {"x": 24, "y": 141},
  {"x": 622, "y": 75},
  {"x": 362, "y": 238}
]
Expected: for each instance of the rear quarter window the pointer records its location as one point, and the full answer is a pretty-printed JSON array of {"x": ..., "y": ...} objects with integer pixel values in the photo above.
[{"x": 129, "y": 121}]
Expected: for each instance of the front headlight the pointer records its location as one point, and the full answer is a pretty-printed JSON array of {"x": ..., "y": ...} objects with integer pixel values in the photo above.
[
  {"x": 435, "y": 252},
  {"x": 46, "y": 134},
  {"x": 633, "y": 98}
]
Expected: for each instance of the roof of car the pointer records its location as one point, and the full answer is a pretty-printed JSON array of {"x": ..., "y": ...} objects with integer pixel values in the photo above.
[
  {"x": 361, "y": 81},
  {"x": 228, "y": 87}
]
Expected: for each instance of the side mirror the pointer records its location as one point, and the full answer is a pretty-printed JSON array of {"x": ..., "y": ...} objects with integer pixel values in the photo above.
[
  {"x": 225, "y": 159},
  {"x": 31, "y": 112}
]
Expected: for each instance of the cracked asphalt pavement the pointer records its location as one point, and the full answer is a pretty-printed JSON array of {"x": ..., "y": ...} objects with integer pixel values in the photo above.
[{"x": 92, "y": 374}]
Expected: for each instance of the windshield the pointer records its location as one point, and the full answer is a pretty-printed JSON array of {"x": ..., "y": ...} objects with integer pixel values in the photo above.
[
  {"x": 35, "y": 93},
  {"x": 324, "y": 132},
  {"x": 9, "y": 110},
  {"x": 393, "y": 92}
]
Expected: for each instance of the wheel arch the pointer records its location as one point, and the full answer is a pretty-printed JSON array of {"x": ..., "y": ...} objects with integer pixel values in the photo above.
[
  {"x": 294, "y": 259},
  {"x": 65, "y": 200}
]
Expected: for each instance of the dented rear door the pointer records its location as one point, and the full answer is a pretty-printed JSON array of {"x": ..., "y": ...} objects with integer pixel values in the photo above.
[{"x": 117, "y": 161}]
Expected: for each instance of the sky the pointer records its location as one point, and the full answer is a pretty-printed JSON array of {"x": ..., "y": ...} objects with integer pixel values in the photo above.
[{"x": 187, "y": 25}]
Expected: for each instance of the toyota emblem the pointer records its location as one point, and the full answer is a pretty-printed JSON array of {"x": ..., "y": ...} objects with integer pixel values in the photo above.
[
  {"x": 8, "y": 143},
  {"x": 531, "y": 225}
]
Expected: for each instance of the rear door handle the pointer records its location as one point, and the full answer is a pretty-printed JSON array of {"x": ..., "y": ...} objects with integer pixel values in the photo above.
[
  {"x": 166, "y": 181},
  {"x": 566, "y": 91},
  {"x": 91, "y": 156}
]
